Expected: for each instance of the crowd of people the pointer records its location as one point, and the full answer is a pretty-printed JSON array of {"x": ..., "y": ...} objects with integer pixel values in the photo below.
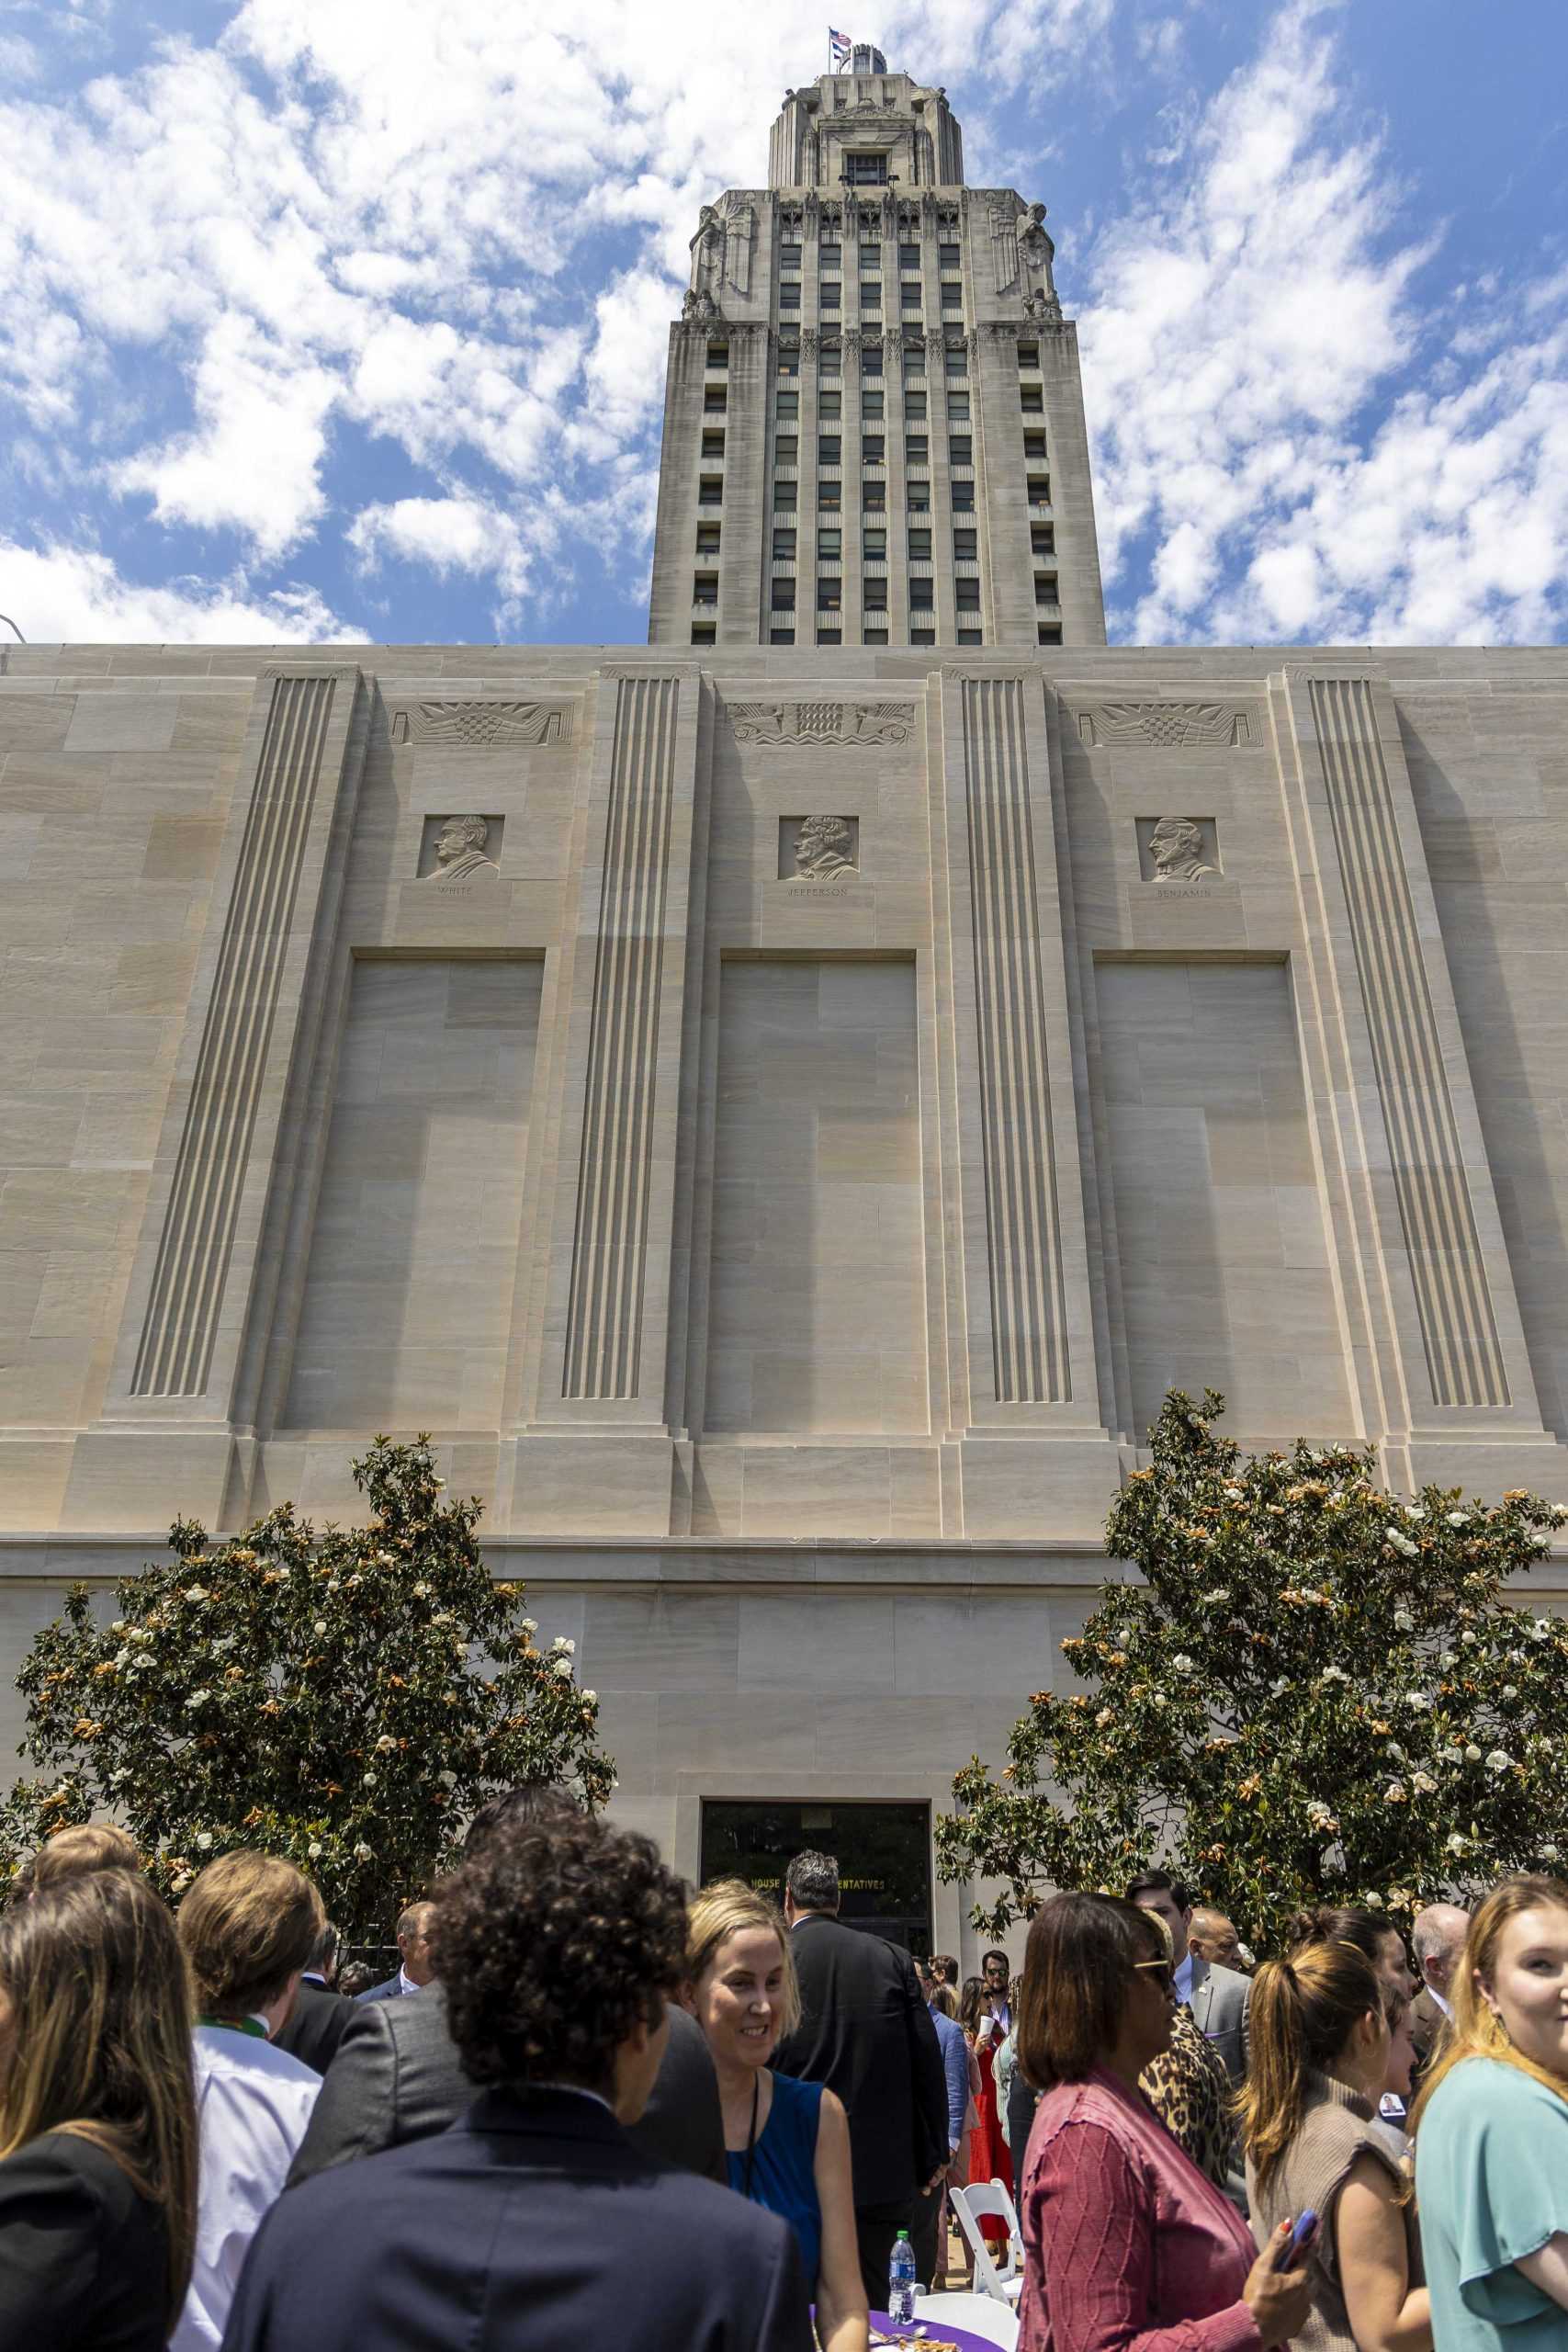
[{"x": 589, "y": 2108}]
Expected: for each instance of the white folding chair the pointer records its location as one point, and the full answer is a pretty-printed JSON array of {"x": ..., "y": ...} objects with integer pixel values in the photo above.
[
  {"x": 979, "y": 2315},
  {"x": 980, "y": 2201}
]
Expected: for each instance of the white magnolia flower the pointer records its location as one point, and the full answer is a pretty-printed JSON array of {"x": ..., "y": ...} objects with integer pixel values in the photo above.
[
  {"x": 421, "y": 1592},
  {"x": 1105, "y": 1717},
  {"x": 1472, "y": 1754},
  {"x": 204, "y": 1839},
  {"x": 442, "y": 1617},
  {"x": 1400, "y": 1542},
  {"x": 118, "y": 1626},
  {"x": 197, "y": 1592},
  {"x": 321, "y": 1626},
  {"x": 1467, "y": 1641},
  {"x": 1394, "y": 1751},
  {"x": 1417, "y": 1702},
  {"x": 1510, "y": 1690},
  {"x": 1334, "y": 1674},
  {"x": 1423, "y": 1784},
  {"x": 1394, "y": 1792},
  {"x": 1160, "y": 1699},
  {"x": 1541, "y": 1630},
  {"x": 560, "y": 1643},
  {"x": 368, "y": 1780},
  {"x": 1414, "y": 1510},
  {"x": 1549, "y": 1853},
  {"x": 592, "y": 1695},
  {"x": 530, "y": 1626},
  {"x": 1449, "y": 1658},
  {"x": 1214, "y": 1600},
  {"x": 563, "y": 1667},
  {"x": 123, "y": 1774},
  {"x": 1277, "y": 1690},
  {"x": 447, "y": 1779},
  {"x": 196, "y": 1699},
  {"x": 1233, "y": 1495},
  {"x": 314, "y": 1850},
  {"x": 1455, "y": 1843},
  {"x": 1499, "y": 1760},
  {"x": 1403, "y": 1621},
  {"x": 1182, "y": 1663},
  {"x": 364, "y": 1853},
  {"x": 386, "y": 1744},
  {"x": 1459, "y": 1519}
]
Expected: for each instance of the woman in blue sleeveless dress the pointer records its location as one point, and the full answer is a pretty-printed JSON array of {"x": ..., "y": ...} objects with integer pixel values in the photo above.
[{"x": 787, "y": 2142}]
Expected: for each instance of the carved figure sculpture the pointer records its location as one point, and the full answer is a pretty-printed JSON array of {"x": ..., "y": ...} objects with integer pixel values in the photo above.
[
  {"x": 1039, "y": 253},
  {"x": 460, "y": 848},
  {"x": 1176, "y": 846},
  {"x": 699, "y": 304},
  {"x": 821, "y": 850}
]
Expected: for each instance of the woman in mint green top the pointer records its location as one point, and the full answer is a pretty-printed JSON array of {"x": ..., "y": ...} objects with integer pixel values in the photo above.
[{"x": 1491, "y": 2134}]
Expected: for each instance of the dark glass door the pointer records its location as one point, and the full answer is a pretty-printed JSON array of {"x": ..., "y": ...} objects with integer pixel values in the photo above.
[{"x": 883, "y": 1851}]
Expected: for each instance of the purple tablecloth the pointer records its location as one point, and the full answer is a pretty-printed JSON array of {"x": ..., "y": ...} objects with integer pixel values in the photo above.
[{"x": 938, "y": 2330}]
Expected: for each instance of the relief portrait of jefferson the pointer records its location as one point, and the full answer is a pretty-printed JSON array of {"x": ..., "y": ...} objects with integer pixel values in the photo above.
[
  {"x": 1175, "y": 846},
  {"x": 821, "y": 852},
  {"x": 460, "y": 850}
]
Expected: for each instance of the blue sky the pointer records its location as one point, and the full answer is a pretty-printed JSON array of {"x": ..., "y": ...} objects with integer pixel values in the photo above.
[{"x": 348, "y": 317}]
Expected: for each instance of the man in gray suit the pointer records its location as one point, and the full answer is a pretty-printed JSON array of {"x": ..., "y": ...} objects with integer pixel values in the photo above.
[{"x": 1219, "y": 1998}]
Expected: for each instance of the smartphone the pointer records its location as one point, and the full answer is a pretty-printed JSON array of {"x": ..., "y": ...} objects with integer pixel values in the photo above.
[{"x": 1297, "y": 2243}]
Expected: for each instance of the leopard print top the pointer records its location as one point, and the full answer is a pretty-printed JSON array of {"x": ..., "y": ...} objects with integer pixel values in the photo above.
[{"x": 1191, "y": 2092}]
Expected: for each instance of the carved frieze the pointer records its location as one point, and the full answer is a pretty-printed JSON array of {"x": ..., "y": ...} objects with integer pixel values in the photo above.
[
  {"x": 483, "y": 725},
  {"x": 1168, "y": 723},
  {"x": 818, "y": 849},
  {"x": 1178, "y": 849},
  {"x": 822, "y": 722},
  {"x": 455, "y": 849}
]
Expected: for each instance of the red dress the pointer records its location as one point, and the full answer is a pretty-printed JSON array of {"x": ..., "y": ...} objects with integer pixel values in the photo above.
[{"x": 990, "y": 2158}]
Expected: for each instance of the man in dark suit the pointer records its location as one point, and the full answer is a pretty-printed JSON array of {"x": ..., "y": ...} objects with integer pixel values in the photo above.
[
  {"x": 320, "y": 2017},
  {"x": 534, "y": 2224},
  {"x": 414, "y": 1966},
  {"x": 866, "y": 2033},
  {"x": 398, "y": 2074}
]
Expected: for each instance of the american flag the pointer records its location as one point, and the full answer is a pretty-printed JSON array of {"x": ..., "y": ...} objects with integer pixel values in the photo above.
[{"x": 839, "y": 44}]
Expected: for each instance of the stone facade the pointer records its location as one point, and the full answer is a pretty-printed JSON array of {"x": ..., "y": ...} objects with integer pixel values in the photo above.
[{"x": 780, "y": 1126}]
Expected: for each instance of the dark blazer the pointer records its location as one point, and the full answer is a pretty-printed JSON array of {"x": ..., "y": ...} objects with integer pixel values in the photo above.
[
  {"x": 83, "y": 2260},
  {"x": 397, "y": 2076},
  {"x": 317, "y": 2024},
  {"x": 391, "y": 1988},
  {"x": 866, "y": 2033},
  {"x": 532, "y": 2225}
]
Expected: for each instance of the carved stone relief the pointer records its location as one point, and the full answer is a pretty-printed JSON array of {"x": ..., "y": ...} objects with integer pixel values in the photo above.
[
  {"x": 818, "y": 849},
  {"x": 1178, "y": 849},
  {"x": 1163, "y": 723},
  {"x": 822, "y": 722},
  {"x": 455, "y": 849},
  {"x": 483, "y": 725},
  {"x": 1004, "y": 247}
]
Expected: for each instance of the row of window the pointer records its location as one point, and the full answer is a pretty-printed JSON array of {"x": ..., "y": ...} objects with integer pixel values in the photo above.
[
  {"x": 789, "y": 356},
  {"x": 871, "y": 361},
  {"x": 873, "y": 496},
  {"x": 874, "y": 594},
  {"x": 830, "y": 254},
  {"x": 829, "y": 295},
  {"x": 787, "y": 407},
  {"x": 873, "y": 449},
  {"x": 874, "y": 544},
  {"x": 965, "y": 548}
]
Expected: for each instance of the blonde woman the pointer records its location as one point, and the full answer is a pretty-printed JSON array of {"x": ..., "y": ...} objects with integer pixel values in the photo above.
[
  {"x": 1318, "y": 2061},
  {"x": 97, "y": 2119},
  {"x": 1492, "y": 2131},
  {"x": 787, "y": 2142}
]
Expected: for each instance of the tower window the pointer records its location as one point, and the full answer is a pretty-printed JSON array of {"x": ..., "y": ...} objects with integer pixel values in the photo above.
[
  {"x": 968, "y": 596},
  {"x": 873, "y": 449},
  {"x": 962, "y": 497},
  {"x": 958, "y": 408},
  {"x": 789, "y": 297},
  {"x": 784, "y": 546},
  {"x": 1049, "y": 632},
  {"x": 966, "y": 546},
  {"x": 970, "y": 637},
  {"x": 947, "y": 257},
  {"x": 909, "y": 256},
  {"x": 909, "y": 294},
  {"x": 922, "y": 636},
  {"x": 955, "y": 360},
  {"x": 829, "y": 450},
  {"x": 781, "y": 637},
  {"x": 873, "y": 637},
  {"x": 917, "y": 497},
  {"x": 789, "y": 255},
  {"x": 922, "y": 595},
  {"x": 1045, "y": 588},
  {"x": 1043, "y": 538},
  {"x": 867, "y": 171},
  {"x": 708, "y": 538},
  {"x": 1028, "y": 354},
  {"x": 1034, "y": 447},
  {"x": 874, "y": 546},
  {"x": 710, "y": 490},
  {"x": 704, "y": 633},
  {"x": 786, "y": 450},
  {"x": 716, "y": 399},
  {"x": 875, "y": 595},
  {"x": 920, "y": 543},
  {"x": 828, "y": 497},
  {"x": 704, "y": 588},
  {"x": 1040, "y": 490},
  {"x": 713, "y": 449},
  {"x": 961, "y": 450},
  {"x": 952, "y": 294},
  {"x": 719, "y": 354},
  {"x": 871, "y": 361},
  {"x": 1032, "y": 400},
  {"x": 829, "y": 295},
  {"x": 916, "y": 449},
  {"x": 830, "y": 404},
  {"x": 914, "y": 408},
  {"x": 787, "y": 406},
  {"x": 870, "y": 404},
  {"x": 783, "y": 599},
  {"x": 784, "y": 497},
  {"x": 830, "y": 543},
  {"x": 871, "y": 298},
  {"x": 873, "y": 496},
  {"x": 830, "y": 594},
  {"x": 829, "y": 257},
  {"x": 830, "y": 637}
]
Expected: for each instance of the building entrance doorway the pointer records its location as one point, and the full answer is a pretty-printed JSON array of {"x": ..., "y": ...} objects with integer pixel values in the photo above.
[{"x": 883, "y": 1854}]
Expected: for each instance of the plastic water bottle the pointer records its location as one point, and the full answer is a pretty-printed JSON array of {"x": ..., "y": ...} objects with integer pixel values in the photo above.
[{"x": 901, "y": 2281}]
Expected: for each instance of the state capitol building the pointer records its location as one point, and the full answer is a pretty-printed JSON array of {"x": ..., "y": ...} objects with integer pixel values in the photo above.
[{"x": 781, "y": 1104}]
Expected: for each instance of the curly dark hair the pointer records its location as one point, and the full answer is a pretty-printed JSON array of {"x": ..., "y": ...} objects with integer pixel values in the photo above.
[{"x": 557, "y": 1939}]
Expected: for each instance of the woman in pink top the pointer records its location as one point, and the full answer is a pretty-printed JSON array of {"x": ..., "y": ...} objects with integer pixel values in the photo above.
[{"x": 1127, "y": 2246}]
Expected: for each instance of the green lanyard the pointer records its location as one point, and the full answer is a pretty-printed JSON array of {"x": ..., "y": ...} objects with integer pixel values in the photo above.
[{"x": 252, "y": 2025}]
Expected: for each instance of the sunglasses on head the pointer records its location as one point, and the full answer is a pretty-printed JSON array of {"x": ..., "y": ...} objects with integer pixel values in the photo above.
[{"x": 1163, "y": 1971}]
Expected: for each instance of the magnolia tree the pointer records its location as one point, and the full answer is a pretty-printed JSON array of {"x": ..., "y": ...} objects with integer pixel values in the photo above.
[
  {"x": 1316, "y": 1693},
  {"x": 344, "y": 1698}
]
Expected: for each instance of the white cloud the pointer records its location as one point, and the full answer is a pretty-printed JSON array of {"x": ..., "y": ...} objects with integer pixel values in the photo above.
[
  {"x": 58, "y": 594},
  {"x": 449, "y": 534},
  {"x": 1245, "y": 319}
]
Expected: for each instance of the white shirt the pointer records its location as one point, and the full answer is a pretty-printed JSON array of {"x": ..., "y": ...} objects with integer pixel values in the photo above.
[
  {"x": 1444, "y": 2005},
  {"x": 405, "y": 1982},
  {"x": 1182, "y": 1981},
  {"x": 253, "y": 2103}
]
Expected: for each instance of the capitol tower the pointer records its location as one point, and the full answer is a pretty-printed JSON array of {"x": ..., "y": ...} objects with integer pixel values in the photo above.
[{"x": 874, "y": 429}]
